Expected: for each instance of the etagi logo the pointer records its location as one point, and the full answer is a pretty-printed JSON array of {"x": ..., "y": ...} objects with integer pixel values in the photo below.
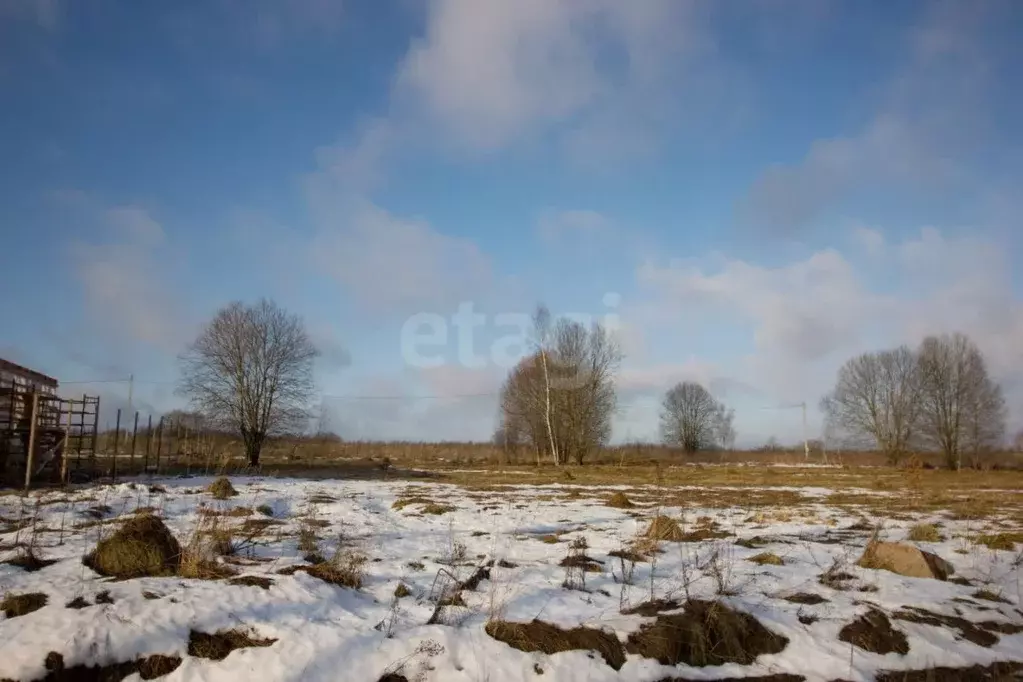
[{"x": 426, "y": 337}]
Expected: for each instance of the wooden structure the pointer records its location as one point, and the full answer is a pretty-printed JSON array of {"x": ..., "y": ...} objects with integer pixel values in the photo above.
[{"x": 43, "y": 435}]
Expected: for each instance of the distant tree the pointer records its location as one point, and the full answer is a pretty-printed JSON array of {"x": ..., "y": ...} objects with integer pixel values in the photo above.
[
  {"x": 877, "y": 399},
  {"x": 692, "y": 419},
  {"x": 962, "y": 409},
  {"x": 1017, "y": 443},
  {"x": 251, "y": 370},
  {"x": 560, "y": 399}
]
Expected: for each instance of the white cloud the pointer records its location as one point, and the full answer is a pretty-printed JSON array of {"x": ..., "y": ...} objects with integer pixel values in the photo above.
[
  {"x": 572, "y": 225},
  {"x": 488, "y": 72},
  {"x": 920, "y": 136},
  {"x": 391, "y": 263},
  {"x": 127, "y": 289},
  {"x": 811, "y": 315}
]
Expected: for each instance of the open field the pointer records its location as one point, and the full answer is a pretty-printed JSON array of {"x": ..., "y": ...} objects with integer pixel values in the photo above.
[{"x": 438, "y": 575}]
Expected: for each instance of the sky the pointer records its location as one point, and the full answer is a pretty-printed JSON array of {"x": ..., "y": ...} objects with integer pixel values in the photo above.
[{"x": 748, "y": 193}]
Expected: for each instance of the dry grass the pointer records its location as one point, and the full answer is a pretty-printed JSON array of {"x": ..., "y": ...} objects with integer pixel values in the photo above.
[
  {"x": 345, "y": 569},
  {"x": 1002, "y": 541},
  {"x": 664, "y": 528},
  {"x": 873, "y": 632},
  {"x": 620, "y": 501},
  {"x": 437, "y": 509},
  {"x": 221, "y": 489},
  {"x": 767, "y": 558},
  {"x": 924, "y": 532},
  {"x": 14, "y": 605},
  {"x": 550, "y": 639},
  {"x": 706, "y": 633},
  {"x": 402, "y": 590},
  {"x": 142, "y": 546},
  {"x": 218, "y": 645}
]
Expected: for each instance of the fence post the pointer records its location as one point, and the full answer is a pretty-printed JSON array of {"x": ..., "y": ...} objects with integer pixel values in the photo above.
[
  {"x": 159, "y": 445},
  {"x": 149, "y": 441},
  {"x": 67, "y": 441},
  {"x": 117, "y": 443},
  {"x": 30, "y": 455},
  {"x": 134, "y": 434}
]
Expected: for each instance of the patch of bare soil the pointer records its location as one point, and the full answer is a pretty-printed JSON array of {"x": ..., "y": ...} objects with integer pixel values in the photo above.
[
  {"x": 218, "y": 645},
  {"x": 1005, "y": 671},
  {"x": 252, "y": 581},
  {"x": 778, "y": 677},
  {"x": 550, "y": 639},
  {"x": 874, "y": 632},
  {"x": 14, "y": 605},
  {"x": 805, "y": 598},
  {"x": 586, "y": 563},
  {"x": 981, "y": 634},
  {"x": 148, "y": 668},
  {"x": 706, "y": 633},
  {"x": 652, "y": 608},
  {"x": 29, "y": 562}
]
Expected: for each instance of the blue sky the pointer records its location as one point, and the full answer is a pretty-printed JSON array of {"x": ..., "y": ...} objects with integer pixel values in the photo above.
[{"x": 765, "y": 188}]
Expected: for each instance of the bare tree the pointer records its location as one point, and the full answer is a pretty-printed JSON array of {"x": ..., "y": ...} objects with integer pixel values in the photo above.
[
  {"x": 561, "y": 399},
  {"x": 877, "y": 399},
  {"x": 251, "y": 370},
  {"x": 962, "y": 408},
  {"x": 541, "y": 328},
  {"x": 692, "y": 419}
]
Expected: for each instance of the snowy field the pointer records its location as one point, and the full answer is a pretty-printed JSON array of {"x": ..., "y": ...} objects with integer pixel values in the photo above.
[{"x": 441, "y": 568}]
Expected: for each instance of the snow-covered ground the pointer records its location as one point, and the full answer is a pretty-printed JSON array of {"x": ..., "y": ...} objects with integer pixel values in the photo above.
[{"x": 326, "y": 632}]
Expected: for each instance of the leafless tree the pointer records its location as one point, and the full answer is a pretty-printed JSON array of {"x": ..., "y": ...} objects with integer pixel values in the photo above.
[
  {"x": 877, "y": 399},
  {"x": 692, "y": 419},
  {"x": 251, "y": 370},
  {"x": 962, "y": 408},
  {"x": 560, "y": 399}
]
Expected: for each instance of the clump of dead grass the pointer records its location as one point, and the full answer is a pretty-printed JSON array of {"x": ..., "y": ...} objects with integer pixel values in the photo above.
[
  {"x": 664, "y": 528},
  {"x": 402, "y": 590},
  {"x": 767, "y": 558},
  {"x": 706, "y": 633},
  {"x": 1000, "y": 541},
  {"x": 218, "y": 645},
  {"x": 550, "y": 639},
  {"x": 437, "y": 509},
  {"x": 221, "y": 489},
  {"x": 142, "y": 546},
  {"x": 620, "y": 501},
  {"x": 873, "y": 632},
  {"x": 924, "y": 532},
  {"x": 14, "y": 605},
  {"x": 345, "y": 569}
]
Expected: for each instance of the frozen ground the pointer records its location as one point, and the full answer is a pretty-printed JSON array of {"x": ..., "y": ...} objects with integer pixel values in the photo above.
[{"x": 327, "y": 632}]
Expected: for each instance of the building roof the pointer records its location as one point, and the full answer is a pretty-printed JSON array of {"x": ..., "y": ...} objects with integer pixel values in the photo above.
[{"x": 37, "y": 377}]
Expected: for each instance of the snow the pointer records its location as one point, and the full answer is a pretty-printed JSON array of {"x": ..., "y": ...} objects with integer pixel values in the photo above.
[{"x": 325, "y": 632}]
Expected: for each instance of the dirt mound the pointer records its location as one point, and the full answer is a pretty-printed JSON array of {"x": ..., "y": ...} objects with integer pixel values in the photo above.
[
  {"x": 148, "y": 668},
  {"x": 664, "y": 528},
  {"x": 1006, "y": 671},
  {"x": 14, "y": 605},
  {"x": 874, "y": 632},
  {"x": 620, "y": 501},
  {"x": 707, "y": 633},
  {"x": 142, "y": 546},
  {"x": 905, "y": 560},
  {"x": 221, "y": 489},
  {"x": 550, "y": 639},
  {"x": 218, "y": 645}
]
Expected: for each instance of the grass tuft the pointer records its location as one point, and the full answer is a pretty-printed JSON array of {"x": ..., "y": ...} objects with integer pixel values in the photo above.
[
  {"x": 620, "y": 501},
  {"x": 221, "y": 489},
  {"x": 550, "y": 639},
  {"x": 924, "y": 532},
  {"x": 1001, "y": 541},
  {"x": 664, "y": 528},
  {"x": 218, "y": 645},
  {"x": 767, "y": 558}
]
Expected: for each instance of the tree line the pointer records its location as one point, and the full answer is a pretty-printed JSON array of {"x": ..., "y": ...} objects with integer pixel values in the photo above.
[
  {"x": 250, "y": 372},
  {"x": 937, "y": 397}
]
